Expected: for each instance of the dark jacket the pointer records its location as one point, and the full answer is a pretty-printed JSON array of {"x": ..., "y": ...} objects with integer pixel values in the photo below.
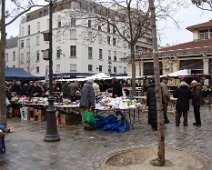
[
  {"x": 87, "y": 96},
  {"x": 151, "y": 103},
  {"x": 117, "y": 89},
  {"x": 197, "y": 95},
  {"x": 183, "y": 94}
]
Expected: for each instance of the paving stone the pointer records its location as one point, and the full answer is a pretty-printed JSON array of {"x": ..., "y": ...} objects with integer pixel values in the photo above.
[{"x": 83, "y": 150}]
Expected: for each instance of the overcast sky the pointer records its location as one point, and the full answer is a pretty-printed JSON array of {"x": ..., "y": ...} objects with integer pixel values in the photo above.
[{"x": 171, "y": 35}]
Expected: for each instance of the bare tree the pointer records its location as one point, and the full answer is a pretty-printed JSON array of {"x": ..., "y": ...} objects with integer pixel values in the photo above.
[
  {"x": 12, "y": 16},
  {"x": 161, "y": 136},
  {"x": 203, "y": 4}
]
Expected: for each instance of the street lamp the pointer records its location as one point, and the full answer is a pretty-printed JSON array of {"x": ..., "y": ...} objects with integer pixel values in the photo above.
[{"x": 51, "y": 126}]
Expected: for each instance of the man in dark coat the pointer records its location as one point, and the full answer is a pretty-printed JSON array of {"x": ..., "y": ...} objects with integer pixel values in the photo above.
[
  {"x": 183, "y": 94},
  {"x": 196, "y": 101},
  {"x": 152, "y": 108},
  {"x": 117, "y": 88}
]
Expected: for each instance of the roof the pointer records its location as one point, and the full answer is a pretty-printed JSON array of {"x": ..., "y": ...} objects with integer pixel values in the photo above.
[
  {"x": 193, "y": 46},
  {"x": 201, "y": 26},
  {"x": 12, "y": 42},
  {"x": 12, "y": 73}
]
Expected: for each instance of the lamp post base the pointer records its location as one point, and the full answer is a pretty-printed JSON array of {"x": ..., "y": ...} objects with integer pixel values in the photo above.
[{"x": 51, "y": 125}]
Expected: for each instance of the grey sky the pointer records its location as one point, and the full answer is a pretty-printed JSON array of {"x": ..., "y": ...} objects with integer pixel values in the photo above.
[{"x": 171, "y": 35}]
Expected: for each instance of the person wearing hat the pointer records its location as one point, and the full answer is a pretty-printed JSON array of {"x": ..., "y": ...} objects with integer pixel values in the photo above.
[
  {"x": 196, "y": 101},
  {"x": 165, "y": 97}
]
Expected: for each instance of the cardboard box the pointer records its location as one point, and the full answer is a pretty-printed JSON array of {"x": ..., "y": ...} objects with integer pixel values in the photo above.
[
  {"x": 31, "y": 111},
  {"x": 39, "y": 115},
  {"x": 68, "y": 119}
]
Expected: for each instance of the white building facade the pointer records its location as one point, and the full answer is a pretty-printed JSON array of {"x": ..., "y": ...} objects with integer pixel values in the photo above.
[{"x": 82, "y": 45}]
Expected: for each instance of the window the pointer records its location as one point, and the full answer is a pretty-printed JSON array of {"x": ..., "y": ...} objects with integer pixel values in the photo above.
[
  {"x": 100, "y": 54},
  {"x": 73, "y": 34},
  {"x": 114, "y": 41},
  {"x": 90, "y": 67},
  {"x": 125, "y": 69},
  {"x": 28, "y": 29},
  {"x": 100, "y": 68},
  {"x": 114, "y": 69},
  {"x": 73, "y": 51},
  {"x": 22, "y": 43},
  {"x": 37, "y": 70},
  {"x": 100, "y": 39},
  {"x": 73, "y": 22},
  {"x": 73, "y": 67},
  {"x": 90, "y": 52},
  {"x": 114, "y": 56},
  {"x": 58, "y": 68},
  {"x": 59, "y": 24},
  {"x": 37, "y": 56},
  {"x": 13, "y": 55},
  {"x": 114, "y": 29},
  {"x": 38, "y": 26},
  {"x": 6, "y": 57},
  {"x": 28, "y": 42},
  {"x": 28, "y": 57},
  {"x": 22, "y": 58},
  {"x": 99, "y": 27},
  {"x": 108, "y": 27},
  {"x": 109, "y": 55},
  {"x": 37, "y": 40},
  {"x": 108, "y": 40},
  {"x": 89, "y": 23},
  {"x": 58, "y": 52},
  {"x": 203, "y": 36}
]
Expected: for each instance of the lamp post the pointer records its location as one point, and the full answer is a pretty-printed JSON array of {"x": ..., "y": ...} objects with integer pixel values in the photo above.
[{"x": 51, "y": 126}]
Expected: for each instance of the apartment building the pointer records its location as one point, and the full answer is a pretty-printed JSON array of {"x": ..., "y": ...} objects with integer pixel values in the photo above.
[
  {"x": 82, "y": 44},
  {"x": 12, "y": 52}
]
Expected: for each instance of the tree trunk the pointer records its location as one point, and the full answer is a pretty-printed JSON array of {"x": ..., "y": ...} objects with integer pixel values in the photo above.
[
  {"x": 133, "y": 69},
  {"x": 3, "y": 119},
  {"x": 161, "y": 137}
]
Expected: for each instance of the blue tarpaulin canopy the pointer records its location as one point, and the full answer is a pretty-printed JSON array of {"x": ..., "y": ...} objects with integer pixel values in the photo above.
[{"x": 12, "y": 73}]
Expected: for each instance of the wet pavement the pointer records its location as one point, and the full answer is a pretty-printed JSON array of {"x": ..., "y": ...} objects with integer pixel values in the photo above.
[{"x": 84, "y": 150}]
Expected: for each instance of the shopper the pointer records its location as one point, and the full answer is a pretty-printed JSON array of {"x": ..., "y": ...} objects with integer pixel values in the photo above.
[
  {"x": 117, "y": 88},
  {"x": 165, "y": 98},
  {"x": 183, "y": 94},
  {"x": 87, "y": 100},
  {"x": 196, "y": 101}
]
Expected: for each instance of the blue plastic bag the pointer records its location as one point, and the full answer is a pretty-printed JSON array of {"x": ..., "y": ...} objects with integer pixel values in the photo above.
[{"x": 118, "y": 126}]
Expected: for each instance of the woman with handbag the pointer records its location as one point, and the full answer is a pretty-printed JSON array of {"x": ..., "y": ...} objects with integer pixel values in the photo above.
[{"x": 87, "y": 101}]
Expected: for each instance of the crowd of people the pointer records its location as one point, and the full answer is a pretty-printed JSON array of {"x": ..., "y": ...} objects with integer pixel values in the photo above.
[
  {"x": 184, "y": 93},
  {"x": 87, "y": 92}
]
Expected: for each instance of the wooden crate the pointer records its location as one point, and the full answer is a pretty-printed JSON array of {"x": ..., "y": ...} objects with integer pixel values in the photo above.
[
  {"x": 31, "y": 113},
  {"x": 40, "y": 115},
  {"x": 68, "y": 119}
]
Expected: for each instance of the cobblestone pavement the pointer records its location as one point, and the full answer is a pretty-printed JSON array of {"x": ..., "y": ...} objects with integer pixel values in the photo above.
[{"x": 84, "y": 150}]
